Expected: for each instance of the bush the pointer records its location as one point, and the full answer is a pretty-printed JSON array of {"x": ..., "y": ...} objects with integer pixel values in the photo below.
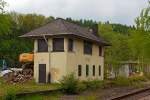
[
  {"x": 138, "y": 79},
  {"x": 121, "y": 81},
  {"x": 10, "y": 95},
  {"x": 135, "y": 81},
  {"x": 93, "y": 84},
  {"x": 70, "y": 84},
  {"x": 147, "y": 75}
]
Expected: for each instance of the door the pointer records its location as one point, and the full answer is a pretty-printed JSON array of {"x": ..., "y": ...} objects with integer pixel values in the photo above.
[{"x": 42, "y": 73}]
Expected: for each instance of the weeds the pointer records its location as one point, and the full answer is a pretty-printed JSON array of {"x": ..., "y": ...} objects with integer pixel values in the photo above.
[
  {"x": 70, "y": 84},
  {"x": 93, "y": 84},
  {"x": 10, "y": 95},
  {"x": 131, "y": 81}
]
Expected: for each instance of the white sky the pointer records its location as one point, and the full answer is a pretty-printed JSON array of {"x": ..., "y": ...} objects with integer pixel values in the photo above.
[{"x": 117, "y": 11}]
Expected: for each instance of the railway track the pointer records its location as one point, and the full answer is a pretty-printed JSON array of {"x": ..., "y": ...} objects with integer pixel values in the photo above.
[{"x": 140, "y": 94}]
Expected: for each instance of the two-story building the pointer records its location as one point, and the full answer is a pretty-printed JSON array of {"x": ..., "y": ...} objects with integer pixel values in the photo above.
[{"x": 61, "y": 48}]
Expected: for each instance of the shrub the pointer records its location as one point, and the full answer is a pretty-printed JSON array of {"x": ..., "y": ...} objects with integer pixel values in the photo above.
[
  {"x": 147, "y": 75},
  {"x": 135, "y": 81},
  {"x": 10, "y": 95},
  {"x": 81, "y": 87},
  {"x": 70, "y": 84},
  {"x": 93, "y": 84},
  {"x": 138, "y": 79},
  {"x": 121, "y": 81}
]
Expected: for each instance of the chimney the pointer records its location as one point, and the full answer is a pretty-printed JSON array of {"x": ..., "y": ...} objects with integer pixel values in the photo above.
[{"x": 94, "y": 29}]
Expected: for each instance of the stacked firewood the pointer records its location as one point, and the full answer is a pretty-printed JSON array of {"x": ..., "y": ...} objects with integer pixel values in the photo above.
[{"x": 18, "y": 77}]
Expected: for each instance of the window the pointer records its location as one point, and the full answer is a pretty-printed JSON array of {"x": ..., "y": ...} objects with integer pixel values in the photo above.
[
  {"x": 79, "y": 70},
  {"x": 100, "y": 51},
  {"x": 42, "y": 45},
  {"x": 58, "y": 44},
  {"x": 87, "y": 47},
  {"x": 99, "y": 70},
  {"x": 87, "y": 70},
  {"x": 93, "y": 70},
  {"x": 70, "y": 45}
]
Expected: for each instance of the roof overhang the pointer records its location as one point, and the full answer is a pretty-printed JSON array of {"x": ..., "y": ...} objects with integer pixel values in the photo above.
[{"x": 103, "y": 43}]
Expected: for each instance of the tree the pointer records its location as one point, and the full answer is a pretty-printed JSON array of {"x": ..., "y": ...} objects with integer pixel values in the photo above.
[
  {"x": 143, "y": 21},
  {"x": 2, "y": 6},
  {"x": 13, "y": 25},
  {"x": 4, "y": 19}
]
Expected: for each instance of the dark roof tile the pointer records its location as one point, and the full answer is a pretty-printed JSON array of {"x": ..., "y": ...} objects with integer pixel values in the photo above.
[{"x": 63, "y": 27}]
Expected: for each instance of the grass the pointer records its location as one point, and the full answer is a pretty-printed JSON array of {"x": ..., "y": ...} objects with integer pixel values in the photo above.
[
  {"x": 131, "y": 81},
  {"x": 87, "y": 97},
  {"x": 25, "y": 87},
  {"x": 7, "y": 90},
  {"x": 53, "y": 96},
  {"x": 56, "y": 96}
]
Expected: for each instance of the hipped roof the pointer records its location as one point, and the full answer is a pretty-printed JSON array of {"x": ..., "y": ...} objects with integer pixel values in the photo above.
[{"x": 63, "y": 27}]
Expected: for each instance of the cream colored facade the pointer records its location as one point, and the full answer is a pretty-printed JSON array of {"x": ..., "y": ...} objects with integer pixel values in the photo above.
[{"x": 59, "y": 64}]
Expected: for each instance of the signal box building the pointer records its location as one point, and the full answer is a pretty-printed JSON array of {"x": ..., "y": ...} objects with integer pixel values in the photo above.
[{"x": 62, "y": 48}]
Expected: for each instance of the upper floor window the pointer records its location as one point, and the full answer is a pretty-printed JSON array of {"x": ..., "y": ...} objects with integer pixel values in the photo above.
[
  {"x": 58, "y": 44},
  {"x": 87, "y": 47},
  {"x": 70, "y": 45},
  {"x": 100, "y": 51},
  {"x": 42, "y": 45}
]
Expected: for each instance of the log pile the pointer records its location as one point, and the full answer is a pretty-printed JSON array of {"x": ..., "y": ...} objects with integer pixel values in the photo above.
[{"x": 19, "y": 76}]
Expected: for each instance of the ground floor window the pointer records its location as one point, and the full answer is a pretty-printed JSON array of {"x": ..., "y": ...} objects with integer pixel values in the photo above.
[
  {"x": 79, "y": 70},
  {"x": 99, "y": 70},
  {"x": 93, "y": 70},
  {"x": 87, "y": 70}
]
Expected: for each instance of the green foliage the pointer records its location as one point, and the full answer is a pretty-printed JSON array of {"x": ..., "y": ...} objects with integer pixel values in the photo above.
[
  {"x": 147, "y": 75},
  {"x": 11, "y": 95},
  {"x": 135, "y": 81},
  {"x": 119, "y": 49},
  {"x": 70, "y": 84},
  {"x": 51, "y": 96},
  {"x": 13, "y": 25},
  {"x": 84, "y": 23},
  {"x": 143, "y": 21},
  {"x": 93, "y": 84},
  {"x": 119, "y": 28},
  {"x": 121, "y": 81},
  {"x": 138, "y": 79},
  {"x": 139, "y": 42},
  {"x": 2, "y": 6},
  {"x": 92, "y": 97},
  {"x": 5, "y": 24}
]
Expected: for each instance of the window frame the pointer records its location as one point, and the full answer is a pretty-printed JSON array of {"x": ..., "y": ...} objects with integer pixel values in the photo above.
[
  {"x": 99, "y": 70},
  {"x": 100, "y": 50},
  {"x": 79, "y": 70},
  {"x": 87, "y": 70},
  {"x": 70, "y": 45},
  {"x": 42, "y": 46},
  {"x": 93, "y": 70},
  {"x": 55, "y": 46},
  {"x": 88, "y": 47}
]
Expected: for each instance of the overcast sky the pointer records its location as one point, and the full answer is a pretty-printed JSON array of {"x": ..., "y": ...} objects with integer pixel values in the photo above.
[{"x": 116, "y": 11}]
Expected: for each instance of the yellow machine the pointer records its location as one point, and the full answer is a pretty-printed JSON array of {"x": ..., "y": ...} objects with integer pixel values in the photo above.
[
  {"x": 27, "y": 60},
  {"x": 26, "y": 57}
]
